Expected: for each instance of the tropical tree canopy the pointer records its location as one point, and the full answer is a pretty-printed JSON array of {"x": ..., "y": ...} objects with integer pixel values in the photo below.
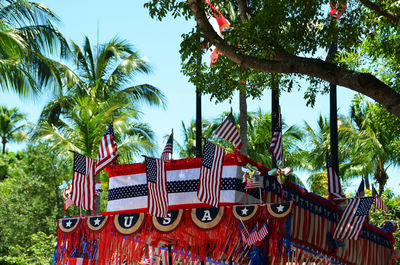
[
  {"x": 288, "y": 38},
  {"x": 27, "y": 36},
  {"x": 12, "y": 126},
  {"x": 99, "y": 90}
]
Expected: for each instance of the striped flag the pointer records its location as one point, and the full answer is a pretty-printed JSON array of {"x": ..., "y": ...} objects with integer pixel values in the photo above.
[
  {"x": 276, "y": 148},
  {"x": 360, "y": 192},
  {"x": 107, "y": 151},
  {"x": 253, "y": 183},
  {"x": 78, "y": 261},
  {"x": 167, "y": 152},
  {"x": 253, "y": 237},
  {"x": 378, "y": 202},
  {"x": 67, "y": 197},
  {"x": 244, "y": 232},
  {"x": 210, "y": 174},
  {"x": 353, "y": 218},
  {"x": 229, "y": 132},
  {"x": 263, "y": 232},
  {"x": 83, "y": 185},
  {"x": 156, "y": 187},
  {"x": 334, "y": 187}
]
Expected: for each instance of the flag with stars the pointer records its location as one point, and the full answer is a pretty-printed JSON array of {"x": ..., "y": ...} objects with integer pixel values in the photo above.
[
  {"x": 83, "y": 185},
  {"x": 353, "y": 218},
  {"x": 156, "y": 187},
  {"x": 210, "y": 174},
  {"x": 253, "y": 183},
  {"x": 167, "y": 152},
  {"x": 276, "y": 148},
  {"x": 360, "y": 192},
  {"x": 334, "y": 187},
  {"x": 243, "y": 231},
  {"x": 107, "y": 151},
  {"x": 228, "y": 131},
  {"x": 378, "y": 202},
  {"x": 253, "y": 237}
]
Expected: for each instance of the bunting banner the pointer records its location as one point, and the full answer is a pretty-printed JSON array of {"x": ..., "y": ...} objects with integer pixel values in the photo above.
[{"x": 128, "y": 190}]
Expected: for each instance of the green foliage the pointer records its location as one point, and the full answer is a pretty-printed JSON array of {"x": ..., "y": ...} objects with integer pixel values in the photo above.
[{"x": 31, "y": 201}]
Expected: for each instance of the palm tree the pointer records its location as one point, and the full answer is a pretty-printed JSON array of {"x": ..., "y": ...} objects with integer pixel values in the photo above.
[
  {"x": 98, "y": 91},
  {"x": 27, "y": 34},
  {"x": 12, "y": 126},
  {"x": 188, "y": 148},
  {"x": 373, "y": 134}
]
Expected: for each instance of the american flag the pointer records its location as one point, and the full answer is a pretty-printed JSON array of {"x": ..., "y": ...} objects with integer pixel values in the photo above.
[
  {"x": 263, "y": 232},
  {"x": 253, "y": 183},
  {"x": 228, "y": 131},
  {"x": 210, "y": 174},
  {"x": 107, "y": 151},
  {"x": 79, "y": 261},
  {"x": 244, "y": 232},
  {"x": 360, "y": 192},
  {"x": 83, "y": 185},
  {"x": 67, "y": 197},
  {"x": 378, "y": 202},
  {"x": 253, "y": 237},
  {"x": 353, "y": 218},
  {"x": 156, "y": 187},
  {"x": 334, "y": 187},
  {"x": 167, "y": 152},
  {"x": 276, "y": 148}
]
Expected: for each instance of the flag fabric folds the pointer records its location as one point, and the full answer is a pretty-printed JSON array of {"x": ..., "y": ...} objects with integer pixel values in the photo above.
[
  {"x": 276, "y": 148},
  {"x": 167, "y": 152},
  {"x": 67, "y": 197},
  {"x": 210, "y": 174},
  {"x": 378, "y": 202},
  {"x": 263, "y": 232},
  {"x": 107, "y": 151},
  {"x": 253, "y": 237},
  {"x": 334, "y": 187},
  {"x": 83, "y": 185},
  {"x": 353, "y": 218},
  {"x": 360, "y": 191},
  {"x": 156, "y": 187},
  {"x": 243, "y": 231},
  {"x": 253, "y": 183},
  {"x": 228, "y": 131}
]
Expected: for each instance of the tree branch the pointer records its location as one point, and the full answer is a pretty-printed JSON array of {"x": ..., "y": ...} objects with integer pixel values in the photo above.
[
  {"x": 243, "y": 6},
  {"x": 364, "y": 83},
  {"x": 381, "y": 11}
]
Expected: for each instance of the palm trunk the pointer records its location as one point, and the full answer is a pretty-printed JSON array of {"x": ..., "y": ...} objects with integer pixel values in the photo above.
[
  {"x": 366, "y": 180},
  {"x": 243, "y": 121},
  {"x": 4, "y": 145}
]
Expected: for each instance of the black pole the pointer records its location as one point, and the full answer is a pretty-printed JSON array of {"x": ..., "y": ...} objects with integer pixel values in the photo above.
[
  {"x": 274, "y": 112},
  {"x": 198, "y": 124},
  {"x": 334, "y": 128},
  {"x": 169, "y": 255}
]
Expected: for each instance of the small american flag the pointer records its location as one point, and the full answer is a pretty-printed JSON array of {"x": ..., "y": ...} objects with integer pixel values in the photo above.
[
  {"x": 353, "y": 218},
  {"x": 253, "y": 183},
  {"x": 67, "y": 197},
  {"x": 378, "y": 202},
  {"x": 263, "y": 232},
  {"x": 276, "y": 148},
  {"x": 107, "y": 151},
  {"x": 244, "y": 232},
  {"x": 167, "y": 152},
  {"x": 83, "y": 186},
  {"x": 156, "y": 187},
  {"x": 360, "y": 192},
  {"x": 334, "y": 187},
  {"x": 228, "y": 131},
  {"x": 253, "y": 237},
  {"x": 210, "y": 174}
]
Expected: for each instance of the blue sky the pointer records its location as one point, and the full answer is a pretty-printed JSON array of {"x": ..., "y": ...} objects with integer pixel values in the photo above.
[{"x": 159, "y": 42}]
